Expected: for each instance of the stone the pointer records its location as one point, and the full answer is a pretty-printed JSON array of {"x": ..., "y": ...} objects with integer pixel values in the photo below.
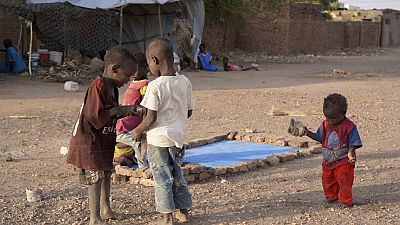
[
  {"x": 239, "y": 136},
  {"x": 250, "y": 130},
  {"x": 258, "y": 139},
  {"x": 189, "y": 178},
  {"x": 281, "y": 157},
  {"x": 239, "y": 168},
  {"x": 147, "y": 174},
  {"x": 281, "y": 142},
  {"x": 124, "y": 170},
  {"x": 221, "y": 137},
  {"x": 147, "y": 182},
  {"x": 269, "y": 140},
  {"x": 247, "y": 137},
  {"x": 64, "y": 150},
  {"x": 197, "y": 143},
  {"x": 290, "y": 156},
  {"x": 273, "y": 160},
  {"x": 316, "y": 149},
  {"x": 185, "y": 171},
  {"x": 305, "y": 153},
  {"x": 139, "y": 172},
  {"x": 231, "y": 135},
  {"x": 260, "y": 163},
  {"x": 298, "y": 144},
  {"x": 117, "y": 179},
  {"x": 217, "y": 171},
  {"x": 134, "y": 180},
  {"x": 196, "y": 169},
  {"x": 251, "y": 166},
  {"x": 204, "y": 176}
]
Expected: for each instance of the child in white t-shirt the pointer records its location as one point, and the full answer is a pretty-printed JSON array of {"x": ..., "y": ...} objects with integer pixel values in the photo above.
[{"x": 169, "y": 104}]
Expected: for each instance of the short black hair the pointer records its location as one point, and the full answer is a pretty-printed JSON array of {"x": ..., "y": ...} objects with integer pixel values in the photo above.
[
  {"x": 202, "y": 45},
  {"x": 141, "y": 59},
  {"x": 164, "y": 46},
  {"x": 117, "y": 55},
  {"x": 7, "y": 43},
  {"x": 336, "y": 99}
]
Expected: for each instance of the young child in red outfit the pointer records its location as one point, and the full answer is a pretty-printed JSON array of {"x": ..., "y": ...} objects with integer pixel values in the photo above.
[{"x": 340, "y": 139}]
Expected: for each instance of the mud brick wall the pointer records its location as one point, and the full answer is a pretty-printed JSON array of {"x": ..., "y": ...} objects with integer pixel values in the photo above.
[
  {"x": 335, "y": 36},
  {"x": 390, "y": 28},
  {"x": 266, "y": 29},
  {"x": 307, "y": 28},
  {"x": 9, "y": 24},
  {"x": 370, "y": 32}
]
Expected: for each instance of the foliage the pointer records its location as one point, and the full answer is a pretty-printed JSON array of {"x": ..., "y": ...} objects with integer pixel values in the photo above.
[
  {"x": 328, "y": 4},
  {"x": 224, "y": 10}
]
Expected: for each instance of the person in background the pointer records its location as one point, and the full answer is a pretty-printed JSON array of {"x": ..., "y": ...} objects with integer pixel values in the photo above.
[{"x": 13, "y": 62}]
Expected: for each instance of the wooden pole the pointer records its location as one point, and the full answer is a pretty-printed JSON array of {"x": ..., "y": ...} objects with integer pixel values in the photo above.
[
  {"x": 121, "y": 21},
  {"x": 30, "y": 48},
  {"x": 159, "y": 20},
  {"x": 20, "y": 35}
]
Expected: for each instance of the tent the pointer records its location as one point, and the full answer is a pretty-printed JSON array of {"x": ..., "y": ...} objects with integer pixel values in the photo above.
[
  {"x": 98, "y": 25},
  {"x": 141, "y": 20}
]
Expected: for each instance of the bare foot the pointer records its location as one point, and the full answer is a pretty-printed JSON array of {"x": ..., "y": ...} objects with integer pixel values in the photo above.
[
  {"x": 111, "y": 215},
  {"x": 166, "y": 219},
  {"x": 98, "y": 222},
  {"x": 182, "y": 216}
]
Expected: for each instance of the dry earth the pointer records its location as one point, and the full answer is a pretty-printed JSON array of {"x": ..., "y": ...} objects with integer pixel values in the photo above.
[{"x": 287, "y": 194}]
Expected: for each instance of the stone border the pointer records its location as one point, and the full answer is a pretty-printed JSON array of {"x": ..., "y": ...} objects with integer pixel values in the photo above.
[{"x": 196, "y": 172}]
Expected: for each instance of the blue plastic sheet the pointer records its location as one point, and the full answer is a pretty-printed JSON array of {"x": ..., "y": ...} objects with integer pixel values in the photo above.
[{"x": 226, "y": 153}]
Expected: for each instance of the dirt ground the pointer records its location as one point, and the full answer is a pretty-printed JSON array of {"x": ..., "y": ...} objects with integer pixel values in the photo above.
[{"x": 290, "y": 193}]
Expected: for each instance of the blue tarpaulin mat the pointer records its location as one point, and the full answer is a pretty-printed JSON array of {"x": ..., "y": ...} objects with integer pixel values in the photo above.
[{"x": 226, "y": 153}]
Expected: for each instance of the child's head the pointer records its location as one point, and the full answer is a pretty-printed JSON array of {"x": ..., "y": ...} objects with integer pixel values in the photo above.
[
  {"x": 160, "y": 56},
  {"x": 202, "y": 47},
  {"x": 225, "y": 60},
  {"x": 7, "y": 43},
  {"x": 143, "y": 67},
  {"x": 120, "y": 65},
  {"x": 335, "y": 108}
]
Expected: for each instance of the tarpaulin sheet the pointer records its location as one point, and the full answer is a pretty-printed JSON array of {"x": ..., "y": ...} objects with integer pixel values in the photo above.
[{"x": 226, "y": 153}]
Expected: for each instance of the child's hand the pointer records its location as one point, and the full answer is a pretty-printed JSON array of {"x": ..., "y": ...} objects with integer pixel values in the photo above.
[
  {"x": 136, "y": 135},
  {"x": 352, "y": 156}
]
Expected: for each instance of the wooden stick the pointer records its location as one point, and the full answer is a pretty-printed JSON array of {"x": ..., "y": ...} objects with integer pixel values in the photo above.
[
  {"x": 30, "y": 48},
  {"x": 159, "y": 20}
]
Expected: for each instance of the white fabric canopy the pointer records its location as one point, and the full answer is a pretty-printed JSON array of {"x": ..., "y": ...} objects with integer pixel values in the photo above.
[{"x": 103, "y": 4}]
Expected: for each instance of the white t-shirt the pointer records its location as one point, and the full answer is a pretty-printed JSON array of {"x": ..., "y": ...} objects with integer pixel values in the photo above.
[{"x": 171, "y": 97}]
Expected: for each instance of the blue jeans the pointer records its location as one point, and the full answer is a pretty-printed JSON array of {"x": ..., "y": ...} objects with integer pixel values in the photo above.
[{"x": 171, "y": 189}]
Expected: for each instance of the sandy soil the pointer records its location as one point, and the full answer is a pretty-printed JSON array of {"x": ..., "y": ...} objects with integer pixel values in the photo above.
[{"x": 290, "y": 193}]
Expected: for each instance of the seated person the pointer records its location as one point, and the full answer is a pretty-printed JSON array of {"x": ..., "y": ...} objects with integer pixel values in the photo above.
[
  {"x": 127, "y": 150},
  {"x": 232, "y": 67},
  {"x": 205, "y": 60},
  {"x": 13, "y": 62}
]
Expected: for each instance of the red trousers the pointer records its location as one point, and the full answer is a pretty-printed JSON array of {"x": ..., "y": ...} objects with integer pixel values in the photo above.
[{"x": 338, "y": 184}]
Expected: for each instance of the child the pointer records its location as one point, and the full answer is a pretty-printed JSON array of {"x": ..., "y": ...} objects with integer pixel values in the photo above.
[
  {"x": 340, "y": 139},
  {"x": 128, "y": 149},
  {"x": 169, "y": 103},
  {"x": 92, "y": 143},
  {"x": 205, "y": 59},
  {"x": 232, "y": 67},
  {"x": 13, "y": 62}
]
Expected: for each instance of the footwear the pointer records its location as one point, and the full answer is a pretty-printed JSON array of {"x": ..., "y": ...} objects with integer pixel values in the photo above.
[
  {"x": 182, "y": 216},
  {"x": 330, "y": 201}
]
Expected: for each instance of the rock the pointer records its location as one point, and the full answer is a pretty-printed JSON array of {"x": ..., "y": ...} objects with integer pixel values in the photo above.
[
  {"x": 247, "y": 137},
  {"x": 117, "y": 179},
  {"x": 305, "y": 153},
  {"x": 290, "y": 156},
  {"x": 97, "y": 64},
  {"x": 139, "y": 172},
  {"x": 273, "y": 160},
  {"x": 204, "y": 176},
  {"x": 316, "y": 149},
  {"x": 239, "y": 136},
  {"x": 298, "y": 144},
  {"x": 223, "y": 181},
  {"x": 281, "y": 157},
  {"x": 239, "y": 169},
  {"x": 251, "y": 166},
  {"x": 185, "y": 171},
  {"x": 260, "y": 163},
  {"x": 147, "y": 182},
  {"x": 9, "y": 158},
  {"x": 231, "y": 135},
  {"x": 217, "y": 171},
  {"x": 281, "y": 142},
  {"x": 194, "y": 169},
  {"x": 221, "y": 137},
  {"x": 71, "y": 86},
  {"x": 258, "y": 139},
  {"x": 125, "y": 171},
  {"x": 189, "y": 178},
  {"x": 64, "y": 150},
  {"x": 147, "y": 174}
]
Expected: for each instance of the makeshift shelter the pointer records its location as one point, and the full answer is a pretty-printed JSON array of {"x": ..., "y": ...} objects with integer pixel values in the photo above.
[
  {"x": 98, "y": 25},
  {"x": 143, "y": 19}
]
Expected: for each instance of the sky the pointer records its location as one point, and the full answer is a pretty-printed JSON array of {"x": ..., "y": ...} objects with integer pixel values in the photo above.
[{"x": 370, "y": 4}]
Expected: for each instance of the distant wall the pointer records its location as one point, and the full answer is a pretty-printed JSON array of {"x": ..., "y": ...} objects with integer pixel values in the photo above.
[
  {"x": 391, "y": 28},
  {"x": 295, "y": 28},
  {"x": 9, "y": 24}
]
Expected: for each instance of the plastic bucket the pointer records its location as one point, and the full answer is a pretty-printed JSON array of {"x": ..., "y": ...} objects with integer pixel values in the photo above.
[
  {"x": 56, "y": 57},
  {"x": 43, "y": 54},
  {"x": 35, "y": 60}
]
